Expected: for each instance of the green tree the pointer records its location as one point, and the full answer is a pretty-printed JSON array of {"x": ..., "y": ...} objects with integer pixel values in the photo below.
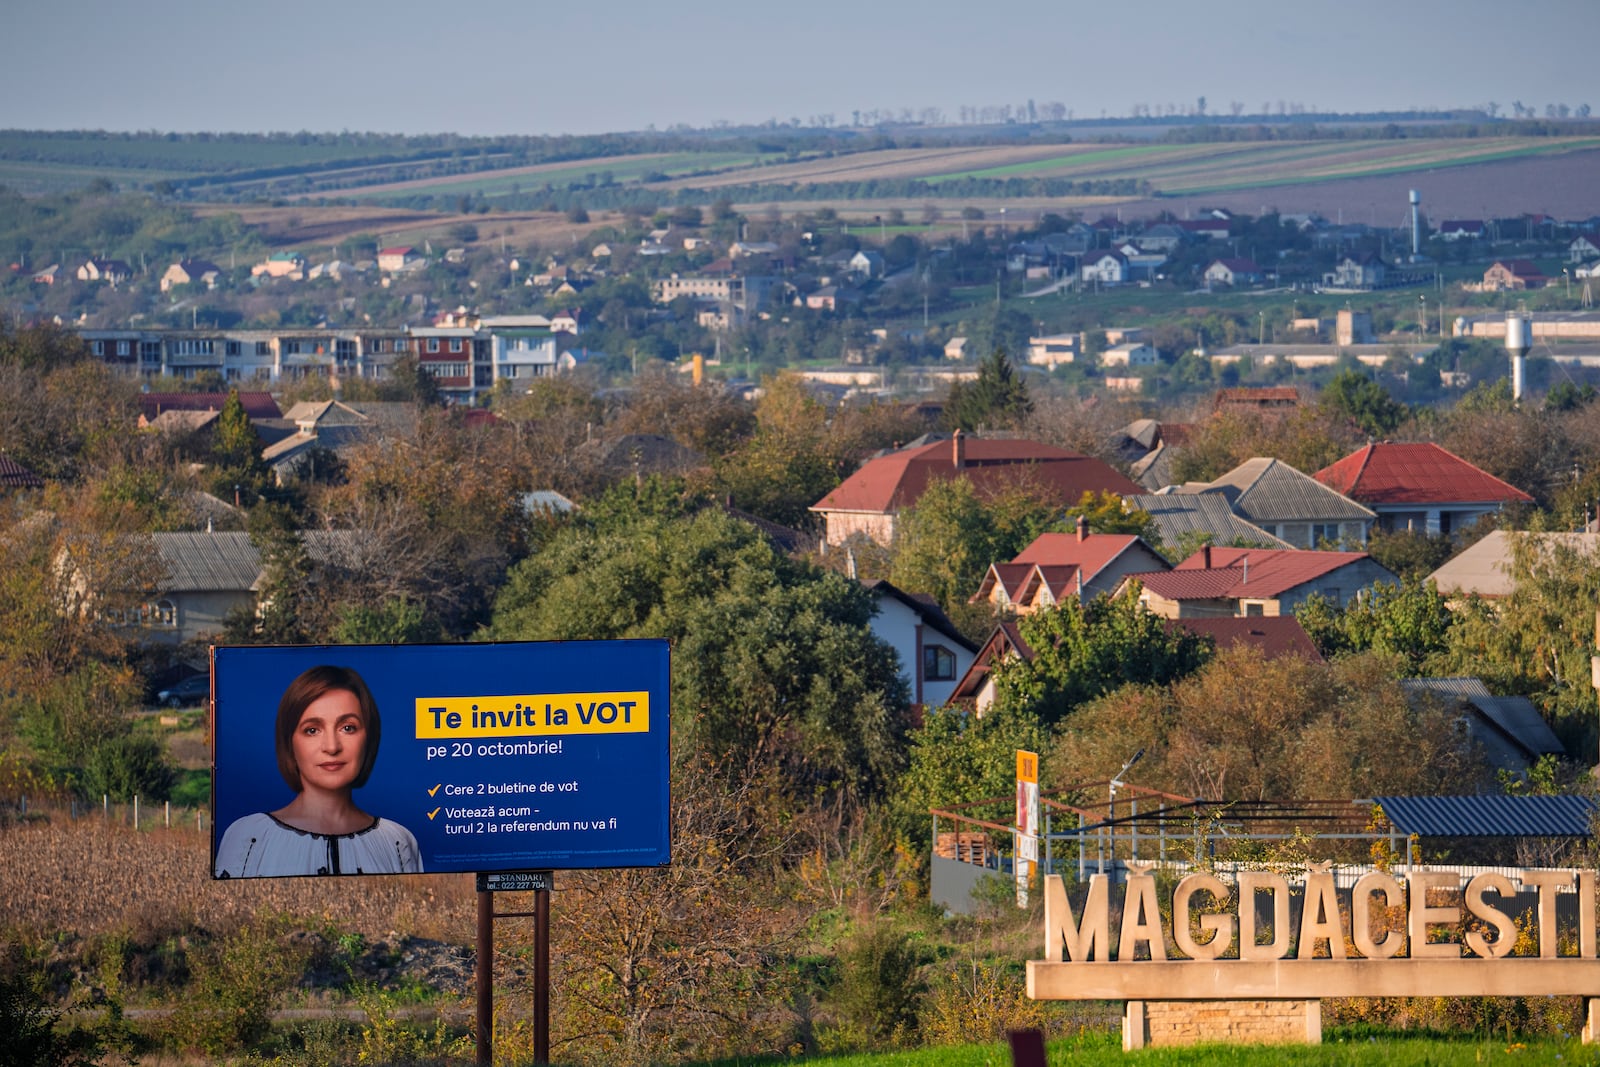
[
  {"x": 1362, "y": 400},
  {"x": 235, "y": 443},
  {"x": 945, "y": 544},
  {"x": 1408, "y": 621},
  {"x": 957, "y": 758},
  {"x": 416, "y": 382},
  {"x": 288, "y": 597},
  {"x": 996, "y": 398},
  {"x": 774, "y": 667},
  {"x": 789, "y": 462},
  {"x": 1537, "y": 641},
  {"x": 1106, "y": 513},
  {"x": 1411, "y": 555},
  {"x": 1081, "y": 653}
]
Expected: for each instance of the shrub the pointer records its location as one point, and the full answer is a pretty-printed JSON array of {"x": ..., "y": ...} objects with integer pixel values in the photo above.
[
  {"x": 238, "y": 982},
  {"x": 880, "y": 987}
]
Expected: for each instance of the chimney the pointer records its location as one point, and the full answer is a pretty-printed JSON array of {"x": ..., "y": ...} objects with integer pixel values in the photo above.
[
  {"x": 1205, "y": 556},
  {"x": 958, "y": 448},
  {"x": 1244, "y": 579},
  {"x": 1083, "y": 528}
]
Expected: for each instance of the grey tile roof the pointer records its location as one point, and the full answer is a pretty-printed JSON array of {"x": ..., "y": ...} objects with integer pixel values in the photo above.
[
  {"x": 1177, "y": 514},
  {"x": 1490, "y": 816},
  {"x": 226, "y": 561},
  {"x": 1154, "y": 471},
  {"x": 198, "y": 562},
  {"x": 1515, "y": 718},
  {"x": 1269, "y": 490}
]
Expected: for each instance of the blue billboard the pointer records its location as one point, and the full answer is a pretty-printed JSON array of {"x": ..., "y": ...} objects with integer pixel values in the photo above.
[{"x": 405, "y": 759}]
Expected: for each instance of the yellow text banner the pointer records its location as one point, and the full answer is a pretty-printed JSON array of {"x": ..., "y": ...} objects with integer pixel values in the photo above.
[{"x": 544, "y": 715}]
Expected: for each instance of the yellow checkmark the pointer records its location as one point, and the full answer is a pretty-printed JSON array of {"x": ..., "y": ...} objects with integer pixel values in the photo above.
[
  {"x": 432, "y": 813},
  {"x": 435, "y": 789}
]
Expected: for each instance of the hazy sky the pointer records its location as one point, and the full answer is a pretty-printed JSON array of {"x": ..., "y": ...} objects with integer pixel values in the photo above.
[{"x": 534, "y": 67}]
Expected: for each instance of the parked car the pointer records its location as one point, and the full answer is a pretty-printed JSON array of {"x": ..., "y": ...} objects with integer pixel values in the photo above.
[{"x": 192, "y": 690}]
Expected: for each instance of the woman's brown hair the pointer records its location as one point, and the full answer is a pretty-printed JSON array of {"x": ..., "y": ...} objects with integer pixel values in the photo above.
[{"x": 306, "y": 689}]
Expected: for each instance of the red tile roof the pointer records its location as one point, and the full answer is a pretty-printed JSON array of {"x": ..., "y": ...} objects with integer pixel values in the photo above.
[
  {"x": 1060, "y": 579},
  {"x": 1273, "y": 635},
  {"x": 1192, "y": 585},
  {"x": 1064, "y": 549},
  {"x": 256, "y": 405},
  {"x": 1011, "y": 577},
  {"x": 889, "y": 483},
  {"x": 1414, "y": 474},
  {"x": 1234, "y": 573}
]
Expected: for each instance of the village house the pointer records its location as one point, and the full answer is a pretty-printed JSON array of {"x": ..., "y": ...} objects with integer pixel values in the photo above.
[
  {"x": 397, "y": 259},
  {"x": 1107, "y": 268},
  {"x": 1130, "y": 354},
  {"x": 1582, "y": 248},
  {"x": 1256, "y": 581},
  {"x": 1366, "y": 271},
  {"x": 280, "y": 265},
  {"x": 1271, "y": 636},
  {"x": 1057, "y": 567},
  {"x": 1054, "y": 350},
  {"x": 1419, "y": 487},
  {"x": 110, "y": 271},
  {"x": 1232, "y": 272},
  {"x": 1460, "y": 230},
  {"x": 1512, "y": 274},
  {"x": 933, "y": 653},
  {"x": 191, "y": 272},
  {"x": 1484, "y": 568},
  {"x": 1289, "y": 505},
  {"x": 869, "y": 502}
]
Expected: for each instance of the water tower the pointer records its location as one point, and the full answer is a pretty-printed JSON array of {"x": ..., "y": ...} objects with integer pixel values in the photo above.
[
  {"x": 1519, "y": 338},
  {"x": 1416, "y": 226}
]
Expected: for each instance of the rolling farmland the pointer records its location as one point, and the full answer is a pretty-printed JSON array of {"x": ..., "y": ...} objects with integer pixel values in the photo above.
[{"x": 1170, "y": 169}]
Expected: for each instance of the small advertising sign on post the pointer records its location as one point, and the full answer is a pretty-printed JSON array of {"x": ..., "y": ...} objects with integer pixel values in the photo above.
[{"x": 1026, "y": 853}]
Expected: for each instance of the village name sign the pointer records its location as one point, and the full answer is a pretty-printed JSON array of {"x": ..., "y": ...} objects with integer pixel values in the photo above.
[{"x": 1423, "y": 934}]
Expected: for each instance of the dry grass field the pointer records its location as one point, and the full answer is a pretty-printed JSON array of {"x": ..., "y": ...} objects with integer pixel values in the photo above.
[{"x": 85, "y": 877}]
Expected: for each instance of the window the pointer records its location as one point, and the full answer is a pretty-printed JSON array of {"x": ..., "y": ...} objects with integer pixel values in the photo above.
[
  {"x": 1254, "y": 610},
  {"x": 165, "y": 614},
  {"x": 1335, "y": 598},
  {"x": 230, "y": 348},
  {"x": 124, "y": 348},
  {"x": 263, "y": 348},
  {"x": 97, "y": 347},
  {"x": 1324, "y": 531},
  {"x": 455, "y": 344},
  {"x": 433, "y": 344},
  {"x": 938, "y": 664}
]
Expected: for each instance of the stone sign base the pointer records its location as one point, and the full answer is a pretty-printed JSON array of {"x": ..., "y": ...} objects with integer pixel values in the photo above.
[{"x": 1156, "y": 1023}]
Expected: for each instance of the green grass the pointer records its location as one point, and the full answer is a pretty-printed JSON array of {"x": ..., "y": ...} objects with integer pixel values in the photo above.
[
  {"x": 1337, "y": 1050},
  {"x": 189, "y": 155},
  {"x": 622, "y": 169}
]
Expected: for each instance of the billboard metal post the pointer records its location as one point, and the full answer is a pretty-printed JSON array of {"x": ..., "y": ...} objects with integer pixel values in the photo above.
[
  {"x": 541, "y": 975},
  {"x": 540, "y": 882},
  {"x": 485, "y": 979}
]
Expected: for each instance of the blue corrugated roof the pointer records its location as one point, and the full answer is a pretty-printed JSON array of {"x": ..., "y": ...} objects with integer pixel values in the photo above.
[{"x": 1490, "y": 816}]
